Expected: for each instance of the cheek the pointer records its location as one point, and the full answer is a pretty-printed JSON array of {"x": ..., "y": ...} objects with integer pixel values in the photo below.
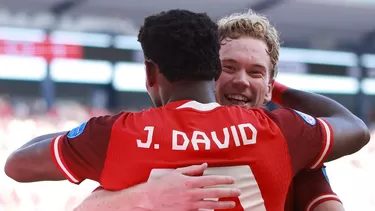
[
  {"x": 220, "y": 86},
  {"x": 259, "y": 87},
  {"x": 223, "y": 79},
  {"x": 220, "y": 83}
]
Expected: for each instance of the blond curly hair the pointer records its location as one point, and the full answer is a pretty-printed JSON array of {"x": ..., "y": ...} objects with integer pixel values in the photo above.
[{"x": 253, "y": 25}]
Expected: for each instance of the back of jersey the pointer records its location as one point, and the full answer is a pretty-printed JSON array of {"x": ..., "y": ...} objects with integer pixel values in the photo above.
[
  {"x": 245, "y": 144},
  {"x": 262, "y": 149}
]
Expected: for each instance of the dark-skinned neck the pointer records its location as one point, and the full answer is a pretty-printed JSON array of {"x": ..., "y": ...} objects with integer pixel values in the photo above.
[{"x": 200, "y": 91}]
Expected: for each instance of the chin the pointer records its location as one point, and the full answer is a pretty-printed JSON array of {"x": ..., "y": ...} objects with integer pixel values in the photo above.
[{"x": 246, "y": 106}]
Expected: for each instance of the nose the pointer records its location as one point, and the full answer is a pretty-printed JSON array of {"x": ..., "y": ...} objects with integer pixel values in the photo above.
[{"x": 240, "y": 80}]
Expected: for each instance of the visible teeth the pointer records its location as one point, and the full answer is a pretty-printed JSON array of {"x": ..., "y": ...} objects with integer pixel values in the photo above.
[
  {"x": 237, "y": 102},
  {"x": 237, "y": 97}
]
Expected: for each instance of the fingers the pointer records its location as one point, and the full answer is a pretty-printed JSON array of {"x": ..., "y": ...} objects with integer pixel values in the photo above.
[
  {"x": 211, "y": 180},
  {"x": 193, "y": 170},
  {"x": 213, "y": 205},
  {"x": 216, "y": 193}
]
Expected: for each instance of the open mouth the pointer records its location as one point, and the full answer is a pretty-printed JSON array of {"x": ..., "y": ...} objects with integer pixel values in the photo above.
[{"x": 237, "y": 99}]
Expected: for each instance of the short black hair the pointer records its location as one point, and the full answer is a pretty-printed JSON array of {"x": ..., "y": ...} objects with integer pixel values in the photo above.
[{"x": 185, "y": 45}]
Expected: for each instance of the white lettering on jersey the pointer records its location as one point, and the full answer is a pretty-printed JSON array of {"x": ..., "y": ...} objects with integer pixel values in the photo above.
[
  {"x": 225, "y": 143},
  {"x": 175, "y": 140},
  {"x": 181, "y": 141},
  {"x": 245, "y": 139},
  {"x": 195, "y": 140},
  {"x": 235, "y": 136},
  {"x": 148, "y": 142},
  {"x": 251, "y": 197}
]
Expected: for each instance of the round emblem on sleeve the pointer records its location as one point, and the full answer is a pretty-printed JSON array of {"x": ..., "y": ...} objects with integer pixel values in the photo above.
[
  {"x": 74, "y": 133},
  {"x": 308, "y": 119}
]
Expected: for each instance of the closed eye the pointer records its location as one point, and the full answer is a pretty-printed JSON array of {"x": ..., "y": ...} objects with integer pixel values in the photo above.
[
  {"x": 256, "y": 73},
  {"x": 229, "y": 69}
]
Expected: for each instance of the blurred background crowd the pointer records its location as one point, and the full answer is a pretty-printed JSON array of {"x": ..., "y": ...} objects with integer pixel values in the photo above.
[{"x": 62, "y": 62}]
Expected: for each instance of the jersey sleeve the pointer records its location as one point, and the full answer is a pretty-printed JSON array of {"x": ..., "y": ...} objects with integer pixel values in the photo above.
[
  {"x": 309, "y": 139},
  {"x": 80, "y": 154},
  {"x": 312, "y": 188}
]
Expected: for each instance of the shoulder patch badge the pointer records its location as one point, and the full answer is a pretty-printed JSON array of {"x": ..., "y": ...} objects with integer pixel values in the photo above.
[
  {"x": 74, "y": 133},
  {"x": 308, "y": 119}
]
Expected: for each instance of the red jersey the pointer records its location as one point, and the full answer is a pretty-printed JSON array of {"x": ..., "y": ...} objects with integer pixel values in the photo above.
[
  {"x": 263, "y": 150},
  {"x": 312, "y": 188}
]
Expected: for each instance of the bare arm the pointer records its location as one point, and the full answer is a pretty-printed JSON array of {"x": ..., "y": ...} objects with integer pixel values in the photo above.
[
  {"x": 42, "y": 138},
  {"x": 34, "y": 150},
  {"x": 177, "y": 190},
  {"x": 350, "y": 132},
  {"x": 329, "y": 206},
  {"x": 76, "y": 156},
  {"x": 128, "y": 199}
]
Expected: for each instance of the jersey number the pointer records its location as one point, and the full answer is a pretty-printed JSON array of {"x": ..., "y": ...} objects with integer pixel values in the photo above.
[{"x": 251, "y": 197}]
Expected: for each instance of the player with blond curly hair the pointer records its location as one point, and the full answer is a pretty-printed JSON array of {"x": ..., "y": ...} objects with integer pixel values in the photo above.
[
  {"x": 100, "y": 148},
  {"x": 243, "y": 82},
  {"x": 243, "y": 36}
]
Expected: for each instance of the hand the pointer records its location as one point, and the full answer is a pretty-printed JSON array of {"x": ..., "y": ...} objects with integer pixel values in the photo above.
[{"x": 182, "y": 190}]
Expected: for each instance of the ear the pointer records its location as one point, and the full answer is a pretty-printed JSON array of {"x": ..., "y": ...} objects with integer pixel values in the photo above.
[
  {"x": 268, "y": 94},
  {"x": 151, "y": 74}
]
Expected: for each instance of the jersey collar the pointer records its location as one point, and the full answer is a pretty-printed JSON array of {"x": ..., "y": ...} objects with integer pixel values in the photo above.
[{"x": 192, "y": 105}]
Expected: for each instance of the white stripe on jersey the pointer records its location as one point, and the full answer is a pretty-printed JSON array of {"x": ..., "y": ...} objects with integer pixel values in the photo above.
[
  {"x": 327, "y": 144},
  {"x": 318, "y": 200},
  {"x": 199, "y": 106},
  {"x": 59, "y": 161}
]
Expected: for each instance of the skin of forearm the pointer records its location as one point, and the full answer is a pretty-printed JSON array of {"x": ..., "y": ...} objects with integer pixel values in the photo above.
[
  {"x": 134, "y": 198},
  {"x": 42, "y": 138},
  {"x": 313, "y": 104}
]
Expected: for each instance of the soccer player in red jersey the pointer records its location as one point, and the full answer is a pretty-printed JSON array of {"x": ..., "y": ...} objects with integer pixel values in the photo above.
[
  {"x": 310, "y": 189},
  {"x": 260, "y": 148},
  {"x": 244, "y": 36}
]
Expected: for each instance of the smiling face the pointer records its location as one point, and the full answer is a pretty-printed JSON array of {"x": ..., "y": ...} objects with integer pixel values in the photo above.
[{"x": 246, "y": 77}]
